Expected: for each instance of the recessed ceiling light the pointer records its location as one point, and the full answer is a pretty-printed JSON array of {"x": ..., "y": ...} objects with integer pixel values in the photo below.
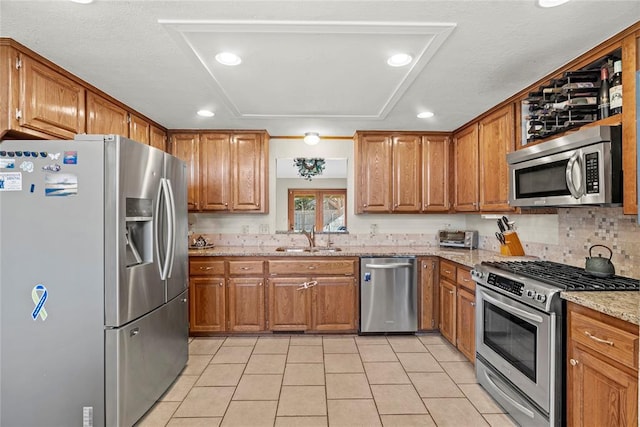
[
  {"x": 311, "y": 138},
  {"x": 228, "y": 58},
  {"x": 399, "y": 60},
  {"x": 425, "y": 115},
  {"x": 551, "y": 3},
  {"x": 206, "y": 113},
  {"x": 82, "y": 1}
]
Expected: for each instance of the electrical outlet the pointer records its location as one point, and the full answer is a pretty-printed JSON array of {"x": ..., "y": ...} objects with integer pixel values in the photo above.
[
  {"x": 245, "y": 229},
  {"x": 264, "y": 228},
  {"x": 373, "y": 228}
]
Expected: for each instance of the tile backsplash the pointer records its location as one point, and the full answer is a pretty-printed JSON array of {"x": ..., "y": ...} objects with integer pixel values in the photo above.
[
  {"x": 581, "y": 228},
  {"x": 578, "y": 230}
]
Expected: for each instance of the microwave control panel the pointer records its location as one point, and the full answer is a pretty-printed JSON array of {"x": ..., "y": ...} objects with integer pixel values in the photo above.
[{"x": 592, "y": 171}]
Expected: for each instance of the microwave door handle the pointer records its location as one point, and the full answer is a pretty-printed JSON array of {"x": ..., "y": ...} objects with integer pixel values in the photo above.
[{"x": 576, "y": 191}]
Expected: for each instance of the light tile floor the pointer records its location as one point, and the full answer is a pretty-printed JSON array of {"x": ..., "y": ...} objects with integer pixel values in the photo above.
[{"x": 335, "y": 380}]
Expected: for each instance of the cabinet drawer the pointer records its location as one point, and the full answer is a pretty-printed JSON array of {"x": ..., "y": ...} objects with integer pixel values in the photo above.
[
  {"x": 206, "y": 266},
  {"x": 464, "y": 279},
  {"x": 448, "y": 270},
  {"x": 312, "y": 267},
  {"x": 619, "y": 345},
  {"x": 246, "y": 267}
]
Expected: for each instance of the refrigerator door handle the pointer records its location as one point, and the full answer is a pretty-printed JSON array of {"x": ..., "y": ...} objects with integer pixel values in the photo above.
[
  {"x": 157, "y": 227},
  {"x": 169, "y": 230},
  {"x": 172, "y": 228}
]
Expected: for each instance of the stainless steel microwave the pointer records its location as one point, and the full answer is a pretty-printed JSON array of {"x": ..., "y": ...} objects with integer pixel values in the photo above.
[{"x": 580, "y": 168}]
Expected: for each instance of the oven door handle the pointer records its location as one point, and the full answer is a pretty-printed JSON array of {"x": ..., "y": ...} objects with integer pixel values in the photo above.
[
  {"x": 576, "y": 191},
  {"x": 518, "y": 406},
  {"x": 513, "y": 310}
]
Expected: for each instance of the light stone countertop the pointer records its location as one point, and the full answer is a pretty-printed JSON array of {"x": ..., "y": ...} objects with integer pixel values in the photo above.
[
  {"x": 465, "y": 257},
  {"x": 624, "y": 305}
]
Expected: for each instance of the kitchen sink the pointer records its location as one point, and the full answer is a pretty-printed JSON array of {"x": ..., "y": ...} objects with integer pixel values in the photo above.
[{"x": 320, "y": 249}]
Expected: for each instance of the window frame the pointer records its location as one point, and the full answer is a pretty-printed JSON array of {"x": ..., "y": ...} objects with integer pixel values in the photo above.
[{"x": 319, "y": 194}]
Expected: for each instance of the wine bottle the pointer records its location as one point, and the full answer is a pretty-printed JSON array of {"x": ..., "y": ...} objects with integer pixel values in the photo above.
[
  {"x": 615, "y": 89},
  {"x": 603, "y": 94}
]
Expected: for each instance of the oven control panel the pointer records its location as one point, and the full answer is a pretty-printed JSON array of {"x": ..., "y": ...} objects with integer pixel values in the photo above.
[{"x": 505, "y": 284}]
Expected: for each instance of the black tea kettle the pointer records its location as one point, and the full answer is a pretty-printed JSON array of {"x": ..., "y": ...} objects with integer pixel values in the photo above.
[{"x": 599, "y": 266}]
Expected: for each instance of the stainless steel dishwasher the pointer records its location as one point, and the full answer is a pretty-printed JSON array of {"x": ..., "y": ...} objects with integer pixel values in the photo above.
[{"x": 388, "y": 295}]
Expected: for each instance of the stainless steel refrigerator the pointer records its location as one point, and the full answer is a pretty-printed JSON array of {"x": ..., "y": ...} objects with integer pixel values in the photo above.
[{"x": 93, "y": 280}]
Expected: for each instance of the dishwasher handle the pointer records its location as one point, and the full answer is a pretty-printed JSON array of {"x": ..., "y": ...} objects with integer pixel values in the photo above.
[{"x": 389, "y": 266}]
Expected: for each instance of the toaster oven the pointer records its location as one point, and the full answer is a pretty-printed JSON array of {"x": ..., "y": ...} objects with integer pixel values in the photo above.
[{"x": 458, "y": 239}]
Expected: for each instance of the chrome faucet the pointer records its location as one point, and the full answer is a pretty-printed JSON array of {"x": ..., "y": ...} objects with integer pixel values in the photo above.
[{"x": 311, "y": 237}]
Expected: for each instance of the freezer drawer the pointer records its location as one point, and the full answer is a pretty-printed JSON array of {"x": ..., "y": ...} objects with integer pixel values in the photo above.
[
  {"x": 143, "y": 358},
  {"x": 388, "y": 295}
]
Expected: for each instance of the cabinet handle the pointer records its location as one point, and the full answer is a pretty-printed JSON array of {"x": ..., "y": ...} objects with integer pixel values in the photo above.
[
  {"x": 573, "y": 362},
  {"x": 244, "y": 268},
  {"x": 220, "y": 284},
  {"x": 365, "y": 205},
  {"x": 206, "y": 268},
  {"x": 311, "y": 267},
  {"x": 466, "y": 280},
  {"x": 473, "y": 304},
  {"x": 450, "y": 292},
  {"x": 447, "y": 271},
  {"x": 600, "y": 340},
  {"x": 260, "y": 284}
]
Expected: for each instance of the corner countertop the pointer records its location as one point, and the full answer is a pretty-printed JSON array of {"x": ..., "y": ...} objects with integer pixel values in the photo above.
[
  {"x": 465, "y": 257},
  {"x": 624, "y": 305}
]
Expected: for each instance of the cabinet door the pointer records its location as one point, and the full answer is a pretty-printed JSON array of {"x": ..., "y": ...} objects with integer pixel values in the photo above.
[
  {"x": 448, "y": 311},
  {"x": 49, "y": 101},
  {"x": 250, "y": 173},
  {"x": 157, "y": 138},
  {"x": 139, "y": 129},
  {"x": 246, "y": 304},
  {"x": 599, "y": 393},
  {"x": 334, "y": 304},
  {"x": 496, "y": 139},
  {"x": 373, "y": 170},
  {"x": 215, "y": 170},
  {"x": 206, "y": 304},
  {"x": 466, "y": 169},
  {"x": 435, "y": 173},
  {"x": 289, "y": 306},
  {"x": 185, "y": 146},
  {"x": 406, "y": 173},
  {"x": 465, "y": 324},
  {"x": 428, "y": 294},
  {"x": 105, "y": 117}
]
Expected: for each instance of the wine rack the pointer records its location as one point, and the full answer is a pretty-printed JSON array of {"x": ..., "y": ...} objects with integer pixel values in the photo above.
[{"x": 567, "y": 102}]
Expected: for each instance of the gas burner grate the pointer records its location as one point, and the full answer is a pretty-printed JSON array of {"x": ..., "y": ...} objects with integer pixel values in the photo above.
[{"x": 566, "y": 276}]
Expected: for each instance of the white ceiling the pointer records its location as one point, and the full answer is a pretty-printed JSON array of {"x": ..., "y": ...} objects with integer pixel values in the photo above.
[{"x": 312, "y": 65}]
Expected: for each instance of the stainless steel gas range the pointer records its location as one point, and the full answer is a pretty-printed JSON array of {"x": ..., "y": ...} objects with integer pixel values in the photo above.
[{"x": 520, "y": 338}]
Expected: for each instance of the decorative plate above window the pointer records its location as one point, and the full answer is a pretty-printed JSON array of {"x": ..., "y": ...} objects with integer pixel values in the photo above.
[{"x": 309, "y": 167}]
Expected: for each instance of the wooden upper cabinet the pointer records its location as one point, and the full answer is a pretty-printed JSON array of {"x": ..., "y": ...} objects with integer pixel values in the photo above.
[
  {"x": 215, "y": 174},
  {"x": 435, "y": 173},
  {"x": 139, "y": 129},
  {"x": 373, "y": 170},
  {"x": 630, "y": 67},
  {"x": 466, "y": 169},
  {"x": 496, "y": 139},
  {"x": 185, "y": 146},
  {"x": 249, "y": 157},
  {"x": 406, "y": 173},
  {"x": 48, "y": 101},
  {"x": 157, "y": 138},
  {"x": 106, "y": 117}
]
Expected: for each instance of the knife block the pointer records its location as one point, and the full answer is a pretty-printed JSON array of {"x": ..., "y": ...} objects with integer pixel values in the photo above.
[{"x": 512, "y": 246}]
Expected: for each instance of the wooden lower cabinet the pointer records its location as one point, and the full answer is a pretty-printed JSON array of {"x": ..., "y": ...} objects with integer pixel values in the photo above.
[
  {"x": 602, "y": 369},
  {"x": 289, "y": 306},
  {"x": 246, "y": 304},
  {"x": 207, "y": 304},
  {"x": 448, "y": 311},
  {"x": 334, "y": 304},
  {"x": 465, "y": 323},
  {"x": 428, "y": 292}
]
